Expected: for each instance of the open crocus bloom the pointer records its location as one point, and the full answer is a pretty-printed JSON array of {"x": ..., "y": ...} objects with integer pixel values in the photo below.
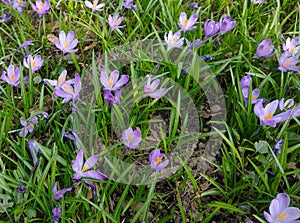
[
  {"x": 173, "y": 41},
  {"x": 131, "y": 138},
  {"x": 94, "y": 6},
  {"x": 288, "y": 62},
  {"x": 266, "y": 115},
  {"x": 187, "y": 24},
  {"x": 280, "y": 212},
  {"x": 114, "y": 22},
  {"x": 158, "y": 160},
  {"x": 61, "y": 80},
  {"x": 66, "y": 43},
  {"x": 40, "y": 7},
  {"x": 12, "y": 77},
  {"x": 82, "y": 170},
  {"x": 264, "y": 49},
  {"x": 151, "y": 88},
  {"x": 290, "y": 46},
  {"x": 33, "y": 63},
  {"x": 112, "y": 82}
]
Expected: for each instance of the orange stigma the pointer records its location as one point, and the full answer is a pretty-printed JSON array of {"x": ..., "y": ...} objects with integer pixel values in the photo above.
[{"x": 269, "y": 116}]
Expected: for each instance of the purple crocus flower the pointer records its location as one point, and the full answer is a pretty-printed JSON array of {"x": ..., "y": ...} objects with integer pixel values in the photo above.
[
  {"x": 34, "y": 151},
  {"x": 56, "y": 213},
  {"x": 193, "y": 5},
  {"x": 72, "y": 135},
  {"x": 131, "y": 138},
  {"x": 66, "y": 43},
  {"x": 112, "y": 96},
  {"x": 173, "y": 41},
  {"x": 66, "y": 91},
  {"x": 21, "y": 189},
  {"x": 150, "y": 89},
  {"x": 12, "y": 77},
  {"x": 187, "y": 24},
  {"x": 246, "y": 81},
  {"x": 226, "y": 25},
  {"x": 28, "y": 126},
  {"x": 264, "y": 49},
  {"x": 290, "y": 46},
  {"x": 5, "y": 18},
  {"x": 94, "y": 6},
  {"x": 58, "y": 194},
  {"x": 286, "y": 104},
  {"x": 18, "y": 4},
  {"x": 266, "y": 115},
  {"x": 40, "y": 7},
  {"x": 158, "y": 160},
  {"x": 128, "y": 5},
  {"x": 61, "y": 80},
  {"x": 210, "y": 28},
  {"x": 33, "y": 64},
  {"x": 112, "y": 82},
  {"x": 195, "y": 44},
  {"x": 92, "y": 186},
  {"x": 82, "y": 170},
  {"x": 296, "y": 111},
  {"x": 254, "y": 95},
  {"x": 24, "y": 45},
  {"x": 114, "y": 22},
  {"x": 288, "y": 62},
  {"x": 281, "y": 212},
  {"x": 277, "y": 147}
]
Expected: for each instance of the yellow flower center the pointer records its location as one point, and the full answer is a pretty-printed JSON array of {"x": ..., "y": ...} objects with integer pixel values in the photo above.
[
  {"x": 115, "y": 22},
  {"x": 268, "y": 116},
  {"x": 68, "y": 89},
  {"x": 282, "y": 215},
  {"x": 94, "y": 6},
  {"x": 61, "y": 79},
  {"x": 185, "y": 22},
  {"x": 19, "y": 2},
  {"x": 12, "y": 77},
  {"x": 265, "y": 48},
  {"x": 33, "y": 64},
  {"x": 158, "y": 159},
  {"x": 287, "y": 63},
  {"x": 253, "y": 97},
  {"x": 66, "y": 44},
  {"x": 131, "y": 138},
  {"x": 292, "y": 49},
  {"x": 111, "y": 80},
  {"x": 175, "y": 39},
  {"x": 85, "y": 168},
  {"x": 41, "y": 8}
]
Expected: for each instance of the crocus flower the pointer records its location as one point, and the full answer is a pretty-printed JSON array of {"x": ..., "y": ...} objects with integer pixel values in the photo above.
[
  {"x": 58, "y": 194},
  {"x": 28, "y": 126},
  {"x": 12, "y": 77},
  {"x": 94, "y": 6},
  {"x": 82, "y": 170},
  {"x": 34, "y": 151},
  {"x": 249, "y": 221},
  {"x": 128, "y": 5},
  {"x": 246, "y": 81},
  {"x": 66, "y": 43},
  {"x": 151, "y": 89},
  {"x": 257, "y": 1},
  {"x": 158, "y": 160},
  {"x": 254, "y": 95},
  {"x": 112, "y": 81},
  {"x": 112, "y": 96},
  {"x": 194, "y": 45},
  {"x": 210, "y": 28},
  {"x": 266, "y": 115},
  {"x": 33, "y": 64},
  {"x": 277, "y": 147},
  {"x": 173, "y": 41},
  {"x": 61, "y": 80},
  {"x": 40, "y": 7},
  {"x": 92, "y": 186},
  {"x": 114, "y": 22},
  {"x": 66, "y": 91},
  {"x": 193, "y": 5},
  {"x": 56, "y": 213},
  {"x": 187, "y": 24},
  {"x": 296, "y": 111},
  {"x": 281, "y": 212},
  {"x": 285, "y": 104},
  {"x": 288, "y": 62},
  {"x": 226, "y": 25},
  {"x": 18, "y": 4},
  {"x": 5, "y": 18},
  {"x": 24, "y": 45},
  {"x": 21, "y": 189},
  {"x": 291, "y": 46},
  {"x": 72, "y": 135},
  {"x": 131, "y": 138},
  {"x": 264, "y": 49}
]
